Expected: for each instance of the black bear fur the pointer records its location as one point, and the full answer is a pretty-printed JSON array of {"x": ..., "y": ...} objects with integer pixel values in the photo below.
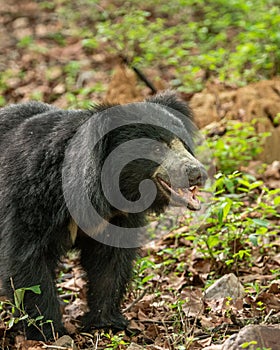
[{"x": 34, "y": 218}]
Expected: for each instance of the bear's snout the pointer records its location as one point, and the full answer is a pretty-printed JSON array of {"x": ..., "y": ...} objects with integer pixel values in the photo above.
[{"x": 196, "y": 174}]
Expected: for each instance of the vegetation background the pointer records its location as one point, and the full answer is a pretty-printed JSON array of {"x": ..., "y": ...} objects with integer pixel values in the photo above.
[{"x": 224, "y": 58}]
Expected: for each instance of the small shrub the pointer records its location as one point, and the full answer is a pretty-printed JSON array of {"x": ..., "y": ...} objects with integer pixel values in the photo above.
[{"x": 240, "y": 144}]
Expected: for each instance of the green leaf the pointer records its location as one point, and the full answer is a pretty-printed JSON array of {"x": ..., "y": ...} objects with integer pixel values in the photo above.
[
  {"x": 254, "y": 240},
  {"x": 229, "y": 185},
  {"x": 24, "y": 317},
  {"x": 19, "y": 294},
  {"x": 18, "y": 297},
  {"x": 10, "y": 323},
  {"x": 261, "y": 222},
  {"x": 213, "y": 241},
  {"x": 39, "y": 318},
  {"x": 220, "y": 215},
  {"x": 276, "y": 200},
  {"x": 226, "y": 208},
  {"x": 147, "y": 278},
  {"x": 35, "y": 289},
  {"x": 256, "y": 184}
]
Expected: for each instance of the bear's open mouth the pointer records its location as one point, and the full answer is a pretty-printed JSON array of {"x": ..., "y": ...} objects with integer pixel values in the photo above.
[{"x": 180, "y": 196}]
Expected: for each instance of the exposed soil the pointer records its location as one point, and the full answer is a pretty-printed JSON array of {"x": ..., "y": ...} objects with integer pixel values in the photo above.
[{"x": 260, "y": 101}]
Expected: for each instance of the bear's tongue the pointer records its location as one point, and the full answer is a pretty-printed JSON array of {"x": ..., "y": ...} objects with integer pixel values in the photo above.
[
  {"x": 189, "y": 195},
  {"x": 183, "y": 196}
]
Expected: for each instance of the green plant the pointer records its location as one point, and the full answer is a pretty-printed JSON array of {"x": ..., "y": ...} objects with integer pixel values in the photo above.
[
  {"x": 200, "y": 39},
  {"x": 18, "y": 312},
  {"x": 116, "y": 341},
  {"x": 230, "y": 229},
  {"x": 71, "y": 70},
  {"x": 143, "y": 273},
  {"x": 26, "y": 41},
  {"x": 240, "y": 144}
]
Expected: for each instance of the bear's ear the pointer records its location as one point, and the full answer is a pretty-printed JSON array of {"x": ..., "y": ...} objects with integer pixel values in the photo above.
[
  {"x": 100, "y": 107},
  {"x": 170, "y": 99}
]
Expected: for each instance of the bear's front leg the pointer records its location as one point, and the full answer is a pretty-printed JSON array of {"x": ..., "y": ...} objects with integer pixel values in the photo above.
[{"x": 109, "y": 270}]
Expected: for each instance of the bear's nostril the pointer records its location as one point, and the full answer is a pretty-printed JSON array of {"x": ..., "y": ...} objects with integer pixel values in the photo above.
[
  {"x": 196, "y": 180},
  {"x": 196, "y": 175}
]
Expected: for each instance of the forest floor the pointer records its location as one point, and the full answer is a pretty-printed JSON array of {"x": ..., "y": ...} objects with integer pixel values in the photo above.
[{"x": 165, "y": 302}]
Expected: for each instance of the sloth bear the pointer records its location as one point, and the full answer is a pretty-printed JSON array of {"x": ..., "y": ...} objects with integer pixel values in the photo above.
[{"x": 52, "y": 181}]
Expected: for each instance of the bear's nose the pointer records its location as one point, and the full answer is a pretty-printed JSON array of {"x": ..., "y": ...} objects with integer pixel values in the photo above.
[{"x": 197, "y": 175}]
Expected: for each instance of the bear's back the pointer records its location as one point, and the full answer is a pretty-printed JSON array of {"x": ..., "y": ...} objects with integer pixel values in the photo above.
[{"x": 12, "y": 116}]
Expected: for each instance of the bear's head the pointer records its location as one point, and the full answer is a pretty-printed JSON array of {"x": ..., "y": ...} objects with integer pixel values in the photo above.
[{"x": 152, "y": 140}]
